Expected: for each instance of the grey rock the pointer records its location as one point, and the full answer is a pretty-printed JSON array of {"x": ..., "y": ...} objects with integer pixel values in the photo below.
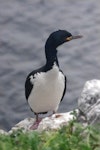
[
  {"x": 56, "y": 121},
  {"x": 3, "y": 132},
  {"x": 24, "y": 125},
  {"x": 48, "y": 123},
  {"x": 53, "y": 122},
  {"x": 89, "y": 102}
]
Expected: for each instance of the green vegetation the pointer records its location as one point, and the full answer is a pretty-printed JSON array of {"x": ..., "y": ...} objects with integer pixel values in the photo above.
[{"x": 71, "y": 137}]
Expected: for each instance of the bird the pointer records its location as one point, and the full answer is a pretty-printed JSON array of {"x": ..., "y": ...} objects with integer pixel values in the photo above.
[{"x": 45, "y": 87}]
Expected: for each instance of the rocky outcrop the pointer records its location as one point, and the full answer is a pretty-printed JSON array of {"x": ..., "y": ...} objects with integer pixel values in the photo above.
[
  {"x": 89, "y": 102},
  {"x": 88, "y": 112},
  {"x": 3, "y": 132},
  {"x": 53, "y": 122}
]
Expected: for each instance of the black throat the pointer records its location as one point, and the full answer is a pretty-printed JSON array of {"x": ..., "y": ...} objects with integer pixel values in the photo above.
[{"x": 51, "y": 56}]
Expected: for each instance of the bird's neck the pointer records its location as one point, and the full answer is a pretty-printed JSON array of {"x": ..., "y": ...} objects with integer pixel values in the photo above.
[{"x": 51, "y": 56}]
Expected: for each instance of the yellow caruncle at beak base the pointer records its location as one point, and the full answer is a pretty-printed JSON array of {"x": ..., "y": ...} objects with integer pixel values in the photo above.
[{"x": 69, "y": 38}]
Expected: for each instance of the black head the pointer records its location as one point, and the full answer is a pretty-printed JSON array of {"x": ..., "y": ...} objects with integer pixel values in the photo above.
[{"x": 59, "y": 37}]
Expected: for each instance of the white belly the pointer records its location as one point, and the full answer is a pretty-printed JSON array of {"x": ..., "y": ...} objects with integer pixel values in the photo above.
[{"x": 47, "y": 90}]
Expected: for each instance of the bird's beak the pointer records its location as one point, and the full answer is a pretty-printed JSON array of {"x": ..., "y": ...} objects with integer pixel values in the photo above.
[{"x": 73, "y": 37}]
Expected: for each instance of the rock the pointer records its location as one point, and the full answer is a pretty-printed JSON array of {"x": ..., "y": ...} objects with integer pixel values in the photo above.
[
  {"x": 3, "y": 132},
  {"x": 49, "y": 123},
  {"x": 56, "y": 121},
  {"x": 24, "y": 125},
  {"x": 89, "y": 102}
]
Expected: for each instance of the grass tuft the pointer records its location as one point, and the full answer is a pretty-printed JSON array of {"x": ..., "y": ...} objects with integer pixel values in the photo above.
[{"x": 71, "y": 137}]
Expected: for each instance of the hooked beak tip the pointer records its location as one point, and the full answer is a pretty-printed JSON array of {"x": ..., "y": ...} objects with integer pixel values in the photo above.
[
  {"x": 77, "y": 36},
  {"x": 73, "y": 37}
]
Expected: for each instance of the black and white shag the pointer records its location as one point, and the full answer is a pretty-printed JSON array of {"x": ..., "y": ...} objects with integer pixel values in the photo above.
[{"x": 46, "y": 86}]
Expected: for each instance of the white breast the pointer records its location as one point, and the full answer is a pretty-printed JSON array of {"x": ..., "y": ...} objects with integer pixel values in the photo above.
[{"x": 47, "y": 90}]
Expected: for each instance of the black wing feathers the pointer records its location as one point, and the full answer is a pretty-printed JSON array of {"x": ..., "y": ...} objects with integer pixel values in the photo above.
[
  {"x": 64, "y": 88},
  {"x": 28, "y": 84},
  {"x": 28, "y": 87}
]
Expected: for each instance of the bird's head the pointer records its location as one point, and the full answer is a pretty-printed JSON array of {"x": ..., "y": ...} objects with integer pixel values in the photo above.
[{"x": 59, "y": 37}]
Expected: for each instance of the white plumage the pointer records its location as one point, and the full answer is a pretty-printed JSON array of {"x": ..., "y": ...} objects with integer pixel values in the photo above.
[{"x": 48, "y": 89}]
